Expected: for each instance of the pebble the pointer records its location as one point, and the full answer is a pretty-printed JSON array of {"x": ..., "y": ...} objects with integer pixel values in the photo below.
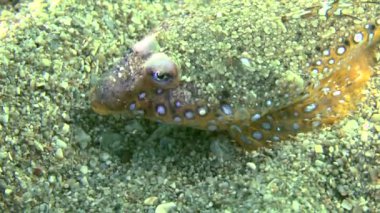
[
  {"x": 59, "y": 153},
  {"x": 151, "y": 201},
  {"x": 343, "y": 190},
  {"x": 376, "y": 118},
  {"x": 38, "y": 146},
  {"x": 346, "y": 204},
  {"x": 4, "y": 118},
  {"x": 350, "y": 128},
  {"x": 3, "y": 154},
  {"x": 377, "y": 127},
  {"x": 38, "y": 171},
  {"x": 65, "y": 128},
  {"x": 60, "y": 144},
  {"x": 83, "y": 169},
  {"x": 52, "y": 179},
  {"x": 165, "y": 207},
  {"x": 64, "y": 85},
  {"x": 104, "y": 156},
  {"x": 296, "y": 206},
  {"x": 252, "y": 166},
  {"x": 46, "y": 62},
  {"x": 173, "y": 185},
  {"x": 319, "y": 163},
  {"x": 370, "y": 154},
  {"x": 318, "y": 149},
  {"x": 364, "y": 136},
  {"x": 8, "y": 191},
  {"x": 65, "y": 116},
  {"x": 84, "y": 181},
  {"x": 82, "y": 138}
]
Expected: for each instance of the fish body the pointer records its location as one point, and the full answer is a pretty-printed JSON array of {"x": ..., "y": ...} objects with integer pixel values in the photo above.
[{"x": 243, "y": 68}]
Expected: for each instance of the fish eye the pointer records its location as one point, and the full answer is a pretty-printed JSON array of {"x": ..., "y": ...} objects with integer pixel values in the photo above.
[
  {"x": 161, "y": 70},
  {"x": 161, "y": 77}
]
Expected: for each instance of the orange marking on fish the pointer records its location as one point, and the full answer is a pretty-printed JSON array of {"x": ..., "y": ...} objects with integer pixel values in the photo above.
[{"x": 332, "y": 99}]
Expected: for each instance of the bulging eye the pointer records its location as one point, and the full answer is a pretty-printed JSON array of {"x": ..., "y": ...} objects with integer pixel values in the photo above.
[
  {"x": 162, "y": 70},
  {"x": 161, "y": 77}
]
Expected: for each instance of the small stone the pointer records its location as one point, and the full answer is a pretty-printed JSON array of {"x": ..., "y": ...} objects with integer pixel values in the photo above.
[
  {"x": 4, "y": 118},
  {"x": 93, "y": 163},
  {"x": 377, "y": 127},
  {"x": 83, "y": 169},
  {"x": 173, "y": 185},
  {"x": 46, "y": 62},
  {"x": 370, "y": 154},
  {"x": 364, "y": 136},
  {"x": 346, "y": 204},
  {"x": 252, "y": 166},
  {"x": 64, "y": 85},
  {"x": 52, "y": 179},
  {"x": 376, "y": 118},
  {"x": 343, "y": 190},
  {"x": 8, "y": 191},
  {"x": 319, "y": 163},
  {"x": 3, "y": 154},
  {"x": 38, "y": 171},
  {"x": 104, "y": 156},
  {"x": 111, "y": 142},
  {"x": 151, "y": 201},
  {"x": 65, "y": 116},
  {"x": 60, "y": 144},
  {"x": 318, "y": 148},
  {"x": 84, "y": 181},
  {"x": 82, "y": 138},
  {"x": 38, "y": 146},
  {"x": 165, "y": 207},
  {"x": 296, "y": 206},
  {"x": 350, "y": 128},
  {"x": 210, "y": 205},
  {"x": 65, "y": 128},
  {"x": 43, "y": 207},
  {"x": 59, "y": 153}
]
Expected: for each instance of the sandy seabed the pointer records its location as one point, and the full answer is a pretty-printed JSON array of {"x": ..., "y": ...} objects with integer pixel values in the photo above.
[{"x": 56, "y": 155}]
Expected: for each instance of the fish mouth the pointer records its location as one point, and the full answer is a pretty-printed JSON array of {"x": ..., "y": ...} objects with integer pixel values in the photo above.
[
  {"x": 97, "y": 104},
  {"x": 114, "y": 93},
  {"x": 108, "y": 98}
]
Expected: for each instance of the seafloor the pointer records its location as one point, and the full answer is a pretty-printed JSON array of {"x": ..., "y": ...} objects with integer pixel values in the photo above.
[{"x": 57, "y": 155}]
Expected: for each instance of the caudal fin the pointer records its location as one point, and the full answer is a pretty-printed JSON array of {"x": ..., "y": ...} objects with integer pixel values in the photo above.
[{"x": 332, "y": 98}]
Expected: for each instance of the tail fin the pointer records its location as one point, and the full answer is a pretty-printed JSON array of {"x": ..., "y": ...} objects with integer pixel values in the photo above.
[{"x": 333, "y": 98}]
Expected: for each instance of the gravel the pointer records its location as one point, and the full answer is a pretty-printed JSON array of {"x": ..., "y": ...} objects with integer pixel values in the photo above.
[{"x": 56, "y": 155}]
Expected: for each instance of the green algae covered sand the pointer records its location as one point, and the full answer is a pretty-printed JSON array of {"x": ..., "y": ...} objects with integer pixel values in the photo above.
[{"x": 58, "y": 155}]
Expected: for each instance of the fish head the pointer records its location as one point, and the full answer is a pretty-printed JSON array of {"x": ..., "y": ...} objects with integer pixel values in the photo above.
[
  {"x": 147, "y": 83},
  {"x": 142, "y": 78}
]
